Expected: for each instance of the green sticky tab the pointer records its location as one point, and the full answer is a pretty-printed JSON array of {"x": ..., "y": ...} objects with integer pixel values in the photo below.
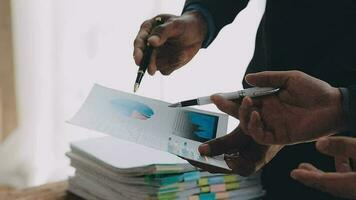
[
  {"x": 148, "y": 179},
  {"x": 230, "y": 178},
  {"x": 168, "y": 190},
  {"x": 205, "y": 189},
  {"x": 232, "y": 186},
  {"x": 171, "y": 179},
  {"x": 172, "y": 195},
  {"x": 203, "y": 181}
]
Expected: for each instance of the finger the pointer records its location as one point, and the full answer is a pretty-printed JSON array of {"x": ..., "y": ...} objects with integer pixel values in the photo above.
[
  {"x": 255, "y": 127},
  {"x": 229, "y": 107},
  {"x": 244, "y": 113},
  {"x": 209, "y": 168},
  {"x": 169, "y": 58},
  {"x": 337, "y": 146},
  {"x": 342, "y": 164},
  {"x": 162, "y": 33},
  {"x": 152, "y": 67},
  {"x": 269, "y": 78},
  {"x": 168, "y": 69},
  {"x": 240, "y": 165},
  {"x": 138, "y": 55},
  {"x": 221, "y": 145},
  {"x": 340, "y": 184},
  {"x": 309, "y": 167},
  {"x": 255, "y": 130},
  {"x": 257, "y": 102},
  {"x": 140, "y": 41}
]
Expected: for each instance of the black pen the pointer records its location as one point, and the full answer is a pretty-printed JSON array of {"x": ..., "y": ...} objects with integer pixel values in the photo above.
[{"x": 146, "y": 58}]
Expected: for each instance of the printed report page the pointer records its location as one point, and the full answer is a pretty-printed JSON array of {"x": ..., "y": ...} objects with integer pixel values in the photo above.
[{"x": 149, "y": 122}]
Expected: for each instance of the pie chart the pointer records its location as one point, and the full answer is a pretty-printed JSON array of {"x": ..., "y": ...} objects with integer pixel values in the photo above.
[{"x": 132, "y": 109}]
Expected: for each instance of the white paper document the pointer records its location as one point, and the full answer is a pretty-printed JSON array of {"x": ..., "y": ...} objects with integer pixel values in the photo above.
[{"x": 152, "y": 123}]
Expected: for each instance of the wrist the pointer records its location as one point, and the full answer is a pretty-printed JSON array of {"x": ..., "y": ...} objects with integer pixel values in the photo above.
[
  {"x": 200, "y": 22},
  {"x": 338, "y": 110}
]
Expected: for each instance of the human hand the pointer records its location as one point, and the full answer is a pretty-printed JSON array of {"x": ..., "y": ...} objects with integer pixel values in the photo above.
[
  {"x": 306, "y": 108},
  {"x": 176, "y": 41},
  {"x": 341, "y": 183},
  {"x": 242, "y": 154}
]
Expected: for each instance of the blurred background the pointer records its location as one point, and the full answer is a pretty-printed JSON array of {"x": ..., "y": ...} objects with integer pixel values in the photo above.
[{"x": 53, "y": 51}]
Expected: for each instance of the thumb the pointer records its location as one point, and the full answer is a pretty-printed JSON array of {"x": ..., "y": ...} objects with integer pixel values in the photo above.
[
  {"x": 340, "y": 184},
  {"x": 162, "y": 33},
  {"x": 269, "y": 78},
  {"x": 234, "y": 141}
]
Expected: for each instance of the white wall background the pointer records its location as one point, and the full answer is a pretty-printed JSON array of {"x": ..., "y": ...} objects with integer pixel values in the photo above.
[{"x": 63, "y": 47}]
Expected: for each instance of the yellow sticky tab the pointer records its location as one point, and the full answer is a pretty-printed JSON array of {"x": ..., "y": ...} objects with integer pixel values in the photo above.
[
  {"x": 203, "y": 181},
  {"x": 230, "y": 178},
  {"x": 205, "y": 189},
  {"x": 232, "y": 186}
]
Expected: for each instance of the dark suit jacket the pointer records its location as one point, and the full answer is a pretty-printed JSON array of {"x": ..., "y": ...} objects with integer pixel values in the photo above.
[{"x": 317, "y": 37}]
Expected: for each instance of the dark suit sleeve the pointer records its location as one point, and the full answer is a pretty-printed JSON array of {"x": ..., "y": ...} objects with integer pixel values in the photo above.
[{"x": 223, "y": 12}]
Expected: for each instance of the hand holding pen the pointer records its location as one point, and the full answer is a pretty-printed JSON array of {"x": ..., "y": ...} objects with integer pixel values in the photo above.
[
  {"x": 146, "y": 57},
  {"x": 174, "y": 43}
]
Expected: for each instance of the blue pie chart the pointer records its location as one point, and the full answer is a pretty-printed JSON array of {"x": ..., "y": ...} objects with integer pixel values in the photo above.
[{"x": 132, "y": 109}]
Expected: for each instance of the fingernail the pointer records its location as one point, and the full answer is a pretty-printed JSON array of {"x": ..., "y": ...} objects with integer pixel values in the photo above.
[
  {"x": 246, "y": 79},
  {"x": 249, "y": 101},
  {"x": 293, "y": 176},
  {"x": 213, "y": 97},
  {"x": 151, "y": 72},
  {"x": 204, "y": 149},
  {"x": 244, "y": 104},
  {"x": 322, "y": 144}
]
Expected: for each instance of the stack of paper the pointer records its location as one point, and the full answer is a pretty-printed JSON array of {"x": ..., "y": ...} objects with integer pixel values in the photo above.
[{"x": 108, "y": 168}]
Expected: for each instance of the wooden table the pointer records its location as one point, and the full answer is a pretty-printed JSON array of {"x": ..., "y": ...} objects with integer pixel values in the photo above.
[{"x": 52, "y": 191}]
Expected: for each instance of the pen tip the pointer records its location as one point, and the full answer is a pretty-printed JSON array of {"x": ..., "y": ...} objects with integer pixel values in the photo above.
[{"x": 136, "y": 87}]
